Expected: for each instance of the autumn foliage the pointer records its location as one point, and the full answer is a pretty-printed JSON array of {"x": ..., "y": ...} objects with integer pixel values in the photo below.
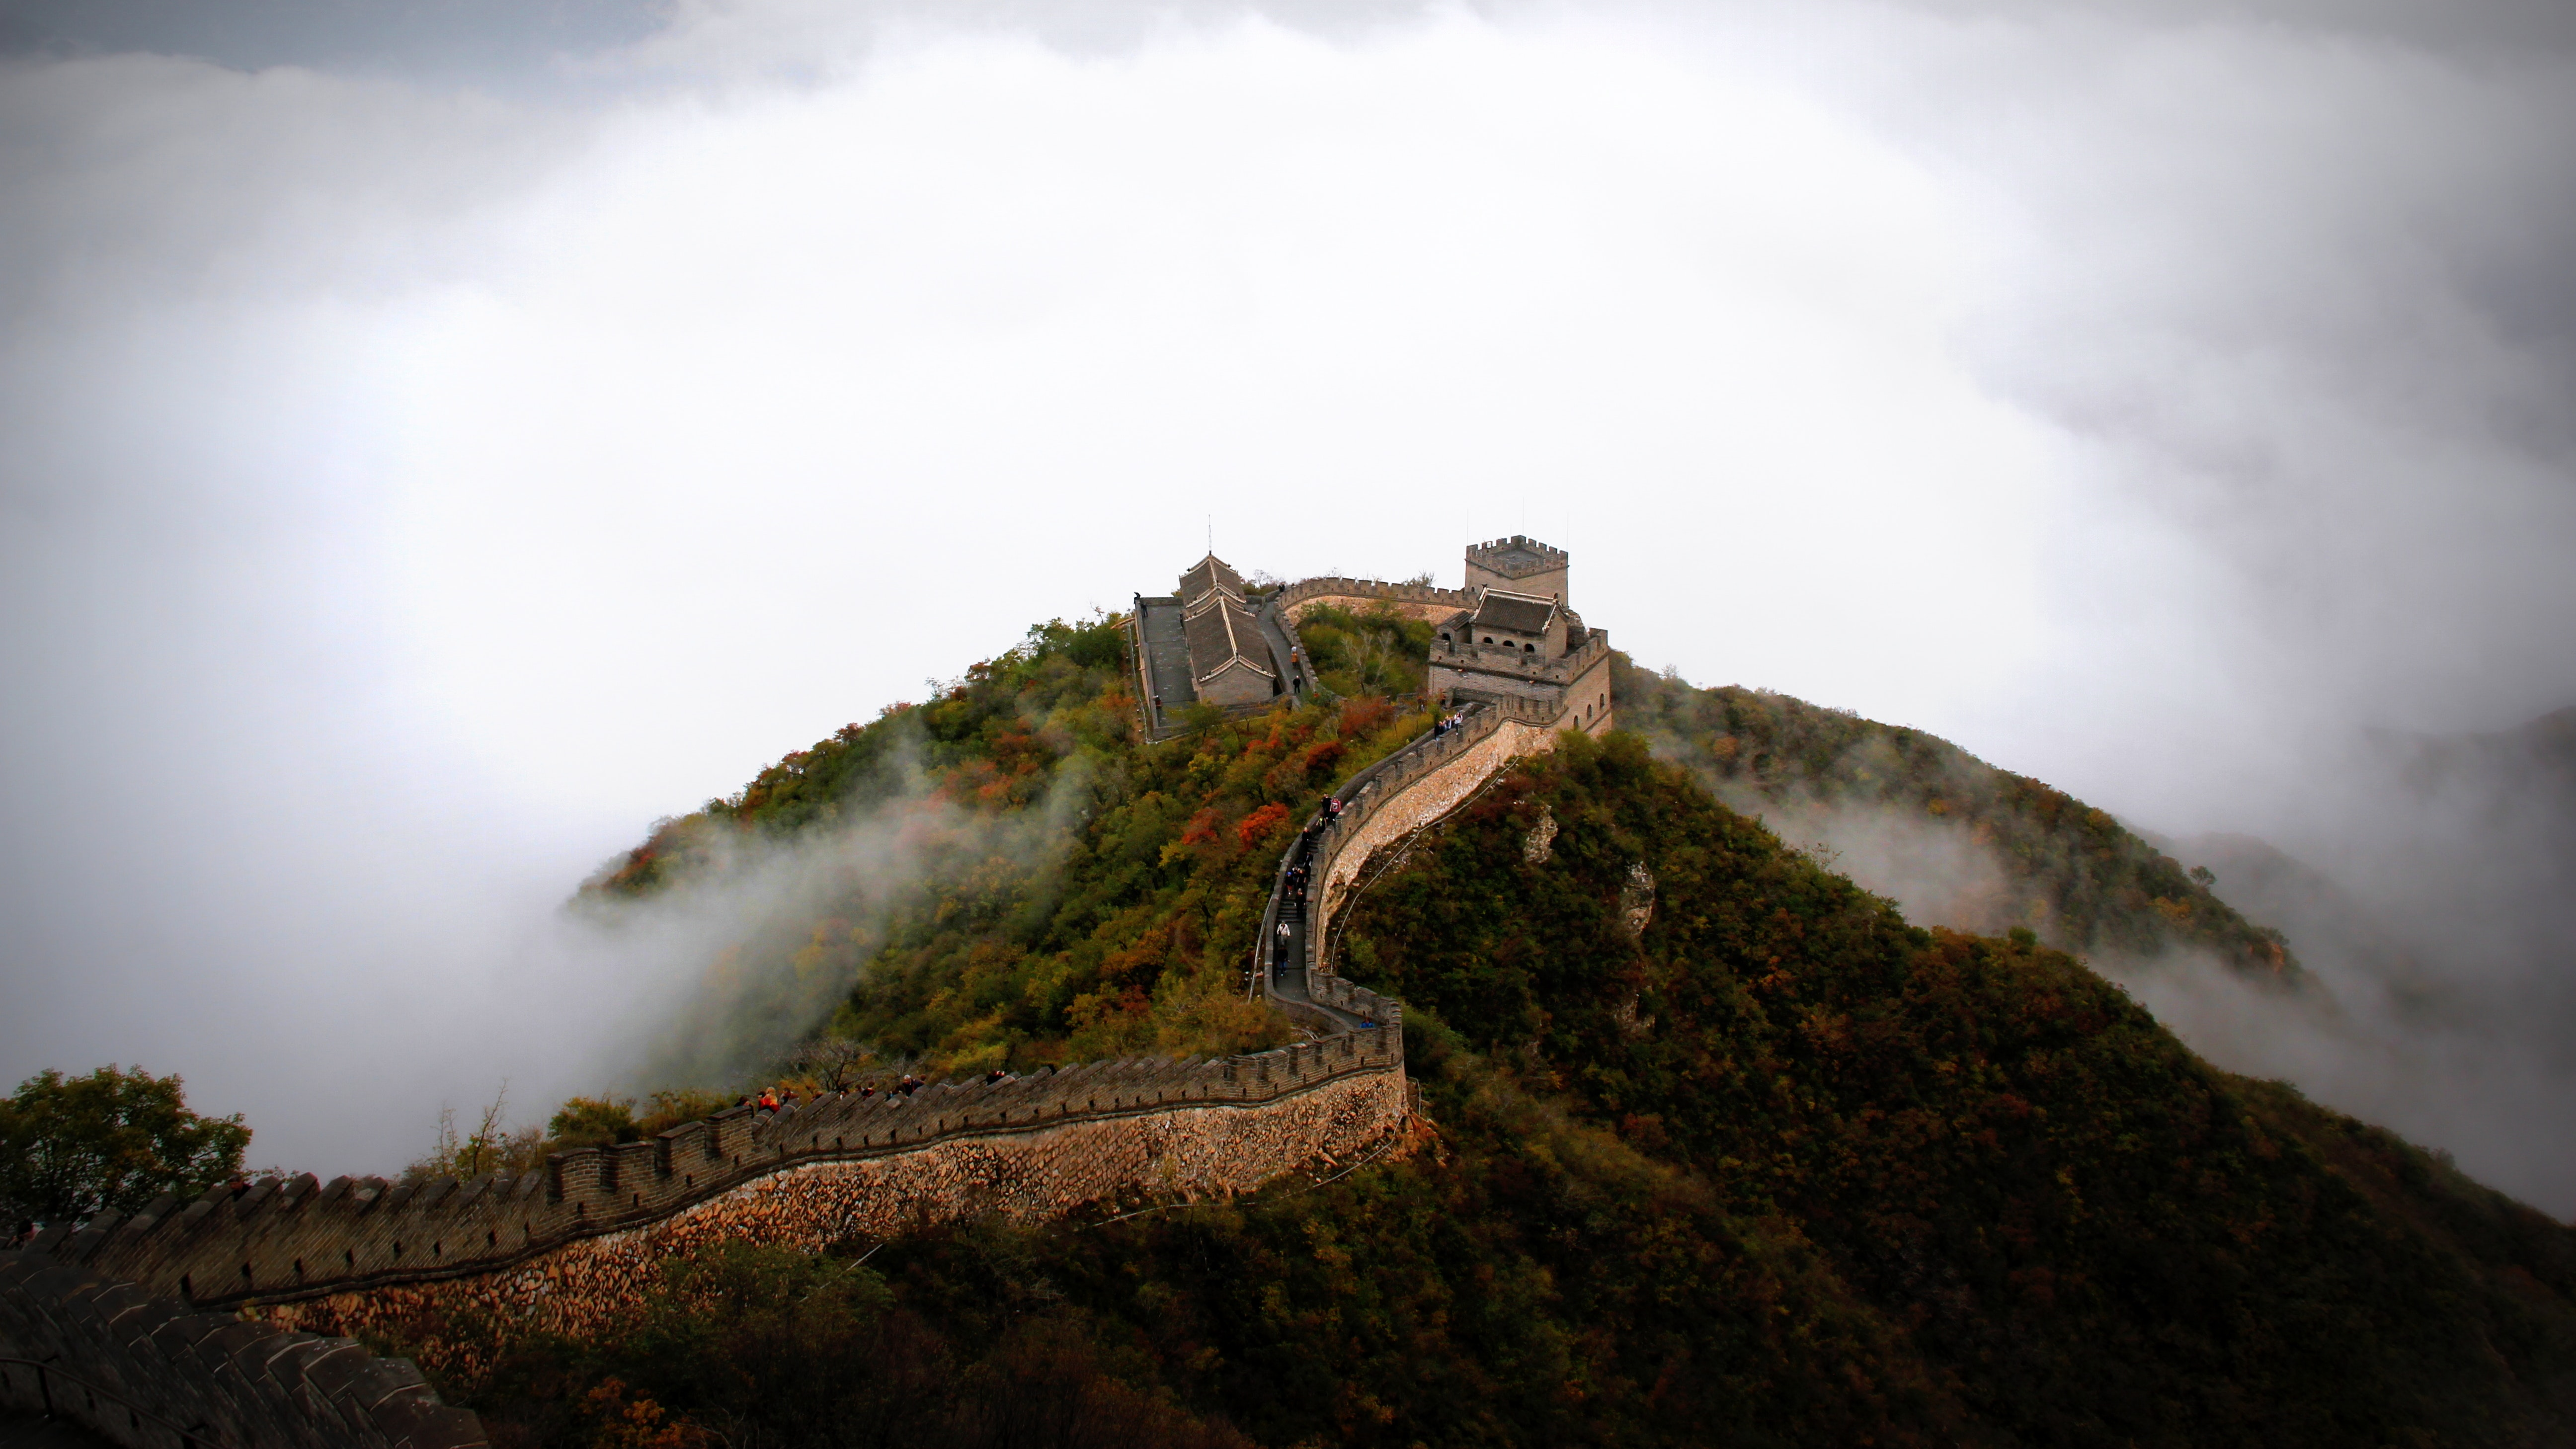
[{"x": 1774, "y": 1167}]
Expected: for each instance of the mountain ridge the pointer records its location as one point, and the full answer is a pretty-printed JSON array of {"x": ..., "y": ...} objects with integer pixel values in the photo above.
[{"x": 1896, "y": 1185}]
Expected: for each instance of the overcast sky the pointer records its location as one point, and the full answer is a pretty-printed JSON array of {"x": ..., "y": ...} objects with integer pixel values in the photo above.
[{"x": 437, "y": 440}]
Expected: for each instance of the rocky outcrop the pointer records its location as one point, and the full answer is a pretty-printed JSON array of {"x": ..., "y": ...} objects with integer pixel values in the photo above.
[
  {"x": 1636, "y": 900},
  {"x": 1539, "y": 845}
]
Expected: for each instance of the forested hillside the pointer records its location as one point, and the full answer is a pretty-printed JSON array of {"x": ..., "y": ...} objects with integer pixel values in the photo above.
[
  {"x": 1067, "y": 895},
  {"x": 1000, "y": 876},
  {"x": 1991, "y": 849},
  {"x": 2073, "y": 1228},
  {"x": 1722, "y": 1148}
]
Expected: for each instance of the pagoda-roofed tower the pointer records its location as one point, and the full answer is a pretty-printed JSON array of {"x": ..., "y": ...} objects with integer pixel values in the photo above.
[
  {"x": 1521, "y": 565},
  {"x": 1230, "y": 661},
  {"x": 1208, "y": 575},
  {"x": 1203, "y": 644}
]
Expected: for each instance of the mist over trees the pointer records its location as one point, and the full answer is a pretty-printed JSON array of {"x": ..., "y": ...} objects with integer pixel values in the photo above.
[
  {"x": 1741, "y": 1153},
  {"x": 1718, "y": 1141},
  {"x": 1958, "y": 841}
]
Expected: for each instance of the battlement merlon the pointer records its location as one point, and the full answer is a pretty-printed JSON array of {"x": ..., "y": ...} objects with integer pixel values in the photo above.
[
  {"x": 1522, "y": 565},
  {"x": 290, "y": 1239}
]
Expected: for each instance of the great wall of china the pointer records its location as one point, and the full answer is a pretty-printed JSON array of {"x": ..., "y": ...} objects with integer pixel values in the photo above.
[{"x": 225, "y": 1321}]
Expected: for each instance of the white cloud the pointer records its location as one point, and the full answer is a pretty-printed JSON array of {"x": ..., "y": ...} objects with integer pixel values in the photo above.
[{"x": 410, "y": 493}]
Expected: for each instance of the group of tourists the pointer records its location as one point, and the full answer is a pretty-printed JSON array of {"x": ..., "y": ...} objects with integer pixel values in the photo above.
[
  {"x": 1292, "y": 886},
  {"x": 1446, "y": 723},
  {"x": 770, "y": 1099}
]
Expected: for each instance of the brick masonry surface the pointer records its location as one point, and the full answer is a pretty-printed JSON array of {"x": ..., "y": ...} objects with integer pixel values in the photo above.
[
  {"x": 583, "y": 1287},
  {"x": 1420, "y": 601},
  {"x": 1423, "y": 800},
  {"x": 135, "y": 1370},
  {"x": 285, "y": 1239}
]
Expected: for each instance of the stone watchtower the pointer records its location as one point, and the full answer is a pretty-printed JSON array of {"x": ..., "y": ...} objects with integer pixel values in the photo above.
[
  {"x": 1522, "y": 641},
  {"x": 1520, "y": 565}
]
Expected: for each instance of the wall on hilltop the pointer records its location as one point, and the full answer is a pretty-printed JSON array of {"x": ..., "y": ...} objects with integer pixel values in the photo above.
[
  {"x": 293, "y": 1239},
  {"x": 1380, "y": 805},
  {"x": 586, "y": 1286},
  {"x": 1421, "y": 601},
  {"x": 1403, "y": 804}
]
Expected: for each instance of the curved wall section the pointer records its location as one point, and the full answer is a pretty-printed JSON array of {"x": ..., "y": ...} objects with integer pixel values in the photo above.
[
  {"x": 1379, "y": 806},
  {"x": 284, "y": 1240},
  {"x": 583, "y": 1287},
  {"x": 155, "y": 1374},
  {"x": 1412, "y": 788},
  {"x": 1413, "y": 803},
  {"x": 1422, "y": 601}
]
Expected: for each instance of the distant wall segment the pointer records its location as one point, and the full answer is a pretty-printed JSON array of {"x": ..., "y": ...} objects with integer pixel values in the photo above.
[{"x": 1420, "y": 601}]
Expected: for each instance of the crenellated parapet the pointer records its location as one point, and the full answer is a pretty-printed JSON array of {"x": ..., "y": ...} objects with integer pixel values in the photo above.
[
  {"x": 282, "y": 1240},
  {"x": 1397, "y": 796},
  {"x": 1176, "y": 1153},
  {"x": 1412, "y": 789},
  {"x": 1561, "y": 671},
  {"x": 1576, "y": 682},
  {"x": 1422, "y": 601},
  {"x": 147, "y": 1371}
]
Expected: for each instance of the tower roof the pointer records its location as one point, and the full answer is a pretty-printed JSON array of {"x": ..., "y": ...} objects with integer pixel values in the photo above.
[
  {"x": 1223, "y": 635},
  {"x": 1520, "y": 613},
  {"x": 1208, "y": 575}
]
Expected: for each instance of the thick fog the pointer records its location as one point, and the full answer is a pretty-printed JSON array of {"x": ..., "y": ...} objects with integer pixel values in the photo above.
[{"x": 433, "y": 446}]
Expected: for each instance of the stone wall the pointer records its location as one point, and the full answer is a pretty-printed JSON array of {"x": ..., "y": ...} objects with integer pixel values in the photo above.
[
  {"x": 1420, "y": 601},
  {"x": 1404, "y": 791},
  {"x": 1447, "y": 679},
  {"x": 1587, "y": 699},
  {"x": 1045, "y": 1170},
  {"x": 142, "y": 1371},
  {"x": 456, "y": 1268},
  {"x": 1408, "y": 805},
  {"x": 283, "y": 1240}
]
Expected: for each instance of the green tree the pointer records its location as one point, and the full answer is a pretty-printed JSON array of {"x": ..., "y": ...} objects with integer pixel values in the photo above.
[
  {"x": 594, "y": 1122},
  {"x": 73, "y": 1147}
]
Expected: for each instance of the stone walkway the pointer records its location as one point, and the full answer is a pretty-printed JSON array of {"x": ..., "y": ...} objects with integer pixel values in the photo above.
[
  {"x": 1167, "y": 664},
  {"x": 1292, "y": 666},
  {"x": 1288, "y": 954}
]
